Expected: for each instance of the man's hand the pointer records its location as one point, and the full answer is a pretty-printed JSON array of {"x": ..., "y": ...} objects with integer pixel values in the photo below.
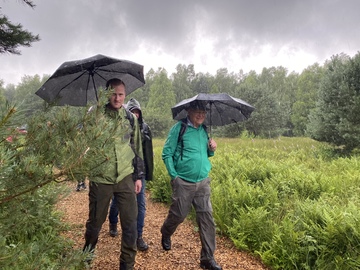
[
  {"x": 138, "y": 186},
  {"x": 212, "y": 145}
]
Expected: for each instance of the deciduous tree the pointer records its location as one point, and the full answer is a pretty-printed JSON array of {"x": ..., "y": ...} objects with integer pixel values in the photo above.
[
  {"x": 182, "y": 80},
  {"x": 336, "y": 119},
  {"x": 305, "y": 97},
  {"x": 161, "y": 99}
]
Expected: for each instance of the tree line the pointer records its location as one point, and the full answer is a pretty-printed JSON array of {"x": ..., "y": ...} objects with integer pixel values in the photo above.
[{"x": 321, "y": 102}]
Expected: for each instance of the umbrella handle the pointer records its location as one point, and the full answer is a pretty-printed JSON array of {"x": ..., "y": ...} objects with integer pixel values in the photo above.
[{"x": 210, "y": 120}]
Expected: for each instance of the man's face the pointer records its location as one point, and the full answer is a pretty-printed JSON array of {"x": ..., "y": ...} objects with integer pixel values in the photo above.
[
  {"x": 118, "y": 97},
  {"x": 197, "y": 117}
]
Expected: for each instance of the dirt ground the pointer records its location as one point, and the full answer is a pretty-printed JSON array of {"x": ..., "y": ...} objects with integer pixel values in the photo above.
[{"x": 185, "y": 242}]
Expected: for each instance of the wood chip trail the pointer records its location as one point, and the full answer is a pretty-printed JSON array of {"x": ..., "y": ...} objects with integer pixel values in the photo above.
[{"x": 185, "y": 242}]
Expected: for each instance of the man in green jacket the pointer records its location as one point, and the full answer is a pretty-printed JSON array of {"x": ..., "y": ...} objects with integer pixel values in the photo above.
[
  {"x": 134, "y": 106},
  {"x": 188, "y": 165},
  {"x": 120, "y": 179}
]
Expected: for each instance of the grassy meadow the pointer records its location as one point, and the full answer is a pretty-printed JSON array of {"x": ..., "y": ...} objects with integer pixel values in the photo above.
[{"x": 287, "y": 200}]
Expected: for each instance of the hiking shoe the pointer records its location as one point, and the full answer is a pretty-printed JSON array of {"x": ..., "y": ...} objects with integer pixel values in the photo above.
[
  {"x": 166, "y": 242},
  {"x": 123, "y": 266},
  {"x": 141, "y": 244},
  {"x": 81, "y": 186},
  {"x": 88, "y": 259},
  {"x": 87, "y": 262},
  {"x": 113, "y": 230},
  {"x": 211, "y": 264}
]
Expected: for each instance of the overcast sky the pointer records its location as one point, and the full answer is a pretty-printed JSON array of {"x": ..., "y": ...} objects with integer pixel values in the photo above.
[{"x": 211, "y": 34}]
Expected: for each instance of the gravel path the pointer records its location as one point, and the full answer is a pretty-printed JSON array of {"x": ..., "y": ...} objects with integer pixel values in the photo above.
[{"x": 185, "y": 242}]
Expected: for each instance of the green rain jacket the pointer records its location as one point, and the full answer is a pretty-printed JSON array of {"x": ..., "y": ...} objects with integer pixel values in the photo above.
[
  {"x": 126, "y": 157},
  {"x": 195, "y": 164}
]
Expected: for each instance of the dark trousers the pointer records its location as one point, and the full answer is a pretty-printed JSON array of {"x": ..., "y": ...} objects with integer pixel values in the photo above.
[
  {"x": 184, "y": 195},
  {"x": 141, "y": 203},
  {"x": 99, "y": 200}
]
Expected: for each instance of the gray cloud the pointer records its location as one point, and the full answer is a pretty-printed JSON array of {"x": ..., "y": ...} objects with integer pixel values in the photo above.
[{"x": 77, "y": 29}]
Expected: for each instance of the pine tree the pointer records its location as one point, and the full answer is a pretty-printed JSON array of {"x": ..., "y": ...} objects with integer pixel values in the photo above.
[
  {"x": 13, "y": 35},
  {"x": 61, "y": 144}
]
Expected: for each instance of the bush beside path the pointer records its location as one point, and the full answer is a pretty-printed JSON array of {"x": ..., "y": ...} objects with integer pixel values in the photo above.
[{"x": 185, "y": 242}]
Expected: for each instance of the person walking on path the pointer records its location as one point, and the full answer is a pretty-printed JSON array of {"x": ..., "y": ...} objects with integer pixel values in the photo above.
[
  {"x": 134, "y": 106},
  {"x": 188, "y": 165},
  {"x": 120, "y": 179}
]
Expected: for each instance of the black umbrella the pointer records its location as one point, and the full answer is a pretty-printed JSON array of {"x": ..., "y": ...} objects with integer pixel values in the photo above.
[
  {"x": 76, "y": 83},
  {"x": 222, "y": 108}
]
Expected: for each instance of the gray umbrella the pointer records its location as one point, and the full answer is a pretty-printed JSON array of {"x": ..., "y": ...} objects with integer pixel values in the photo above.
[
  {"x": 222, "y": 109},
  {"x": 76, "y": 83}
]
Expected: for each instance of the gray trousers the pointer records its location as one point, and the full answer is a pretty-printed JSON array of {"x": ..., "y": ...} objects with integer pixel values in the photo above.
[
  {"x": 184, "y": 195},
  {"x": 99, "y": 200}
]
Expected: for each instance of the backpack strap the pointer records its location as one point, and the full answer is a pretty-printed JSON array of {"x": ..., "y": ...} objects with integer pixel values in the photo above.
[{"x": 182, "y": 130}]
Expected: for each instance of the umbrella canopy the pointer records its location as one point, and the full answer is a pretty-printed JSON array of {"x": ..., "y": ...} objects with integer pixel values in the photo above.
[
  {"x": 222, "y": 109},
  {"x": 75, "y": 83}
]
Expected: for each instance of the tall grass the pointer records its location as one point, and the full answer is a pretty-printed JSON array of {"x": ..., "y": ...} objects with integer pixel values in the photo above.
[{"x": 286, "y": 200}]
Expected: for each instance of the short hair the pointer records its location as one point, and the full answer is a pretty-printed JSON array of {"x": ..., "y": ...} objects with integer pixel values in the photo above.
[{"x": 113, "y": 82}]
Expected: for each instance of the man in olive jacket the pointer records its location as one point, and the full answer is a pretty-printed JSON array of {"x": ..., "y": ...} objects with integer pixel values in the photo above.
[
  {"x": 188, "y": 165},
  {"x": 120, "y": 179},
  {"x": 134, "y": 106}
]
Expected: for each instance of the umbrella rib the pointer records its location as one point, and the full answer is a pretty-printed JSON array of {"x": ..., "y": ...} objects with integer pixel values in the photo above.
[
  {"x": 113, "y": 71},
  {"x": 97, "y": 73},
  {"x": 216, "y": 106},
  {"x": 239, "y": 108},
  {"x": 62, "y": 88}
]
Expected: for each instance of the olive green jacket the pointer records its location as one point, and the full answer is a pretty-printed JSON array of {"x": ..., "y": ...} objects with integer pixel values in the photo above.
[{"x": 127, "y": 154}]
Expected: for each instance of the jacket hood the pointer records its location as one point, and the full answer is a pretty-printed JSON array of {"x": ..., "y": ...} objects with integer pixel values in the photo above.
[{"x": 133, "y": 104}]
